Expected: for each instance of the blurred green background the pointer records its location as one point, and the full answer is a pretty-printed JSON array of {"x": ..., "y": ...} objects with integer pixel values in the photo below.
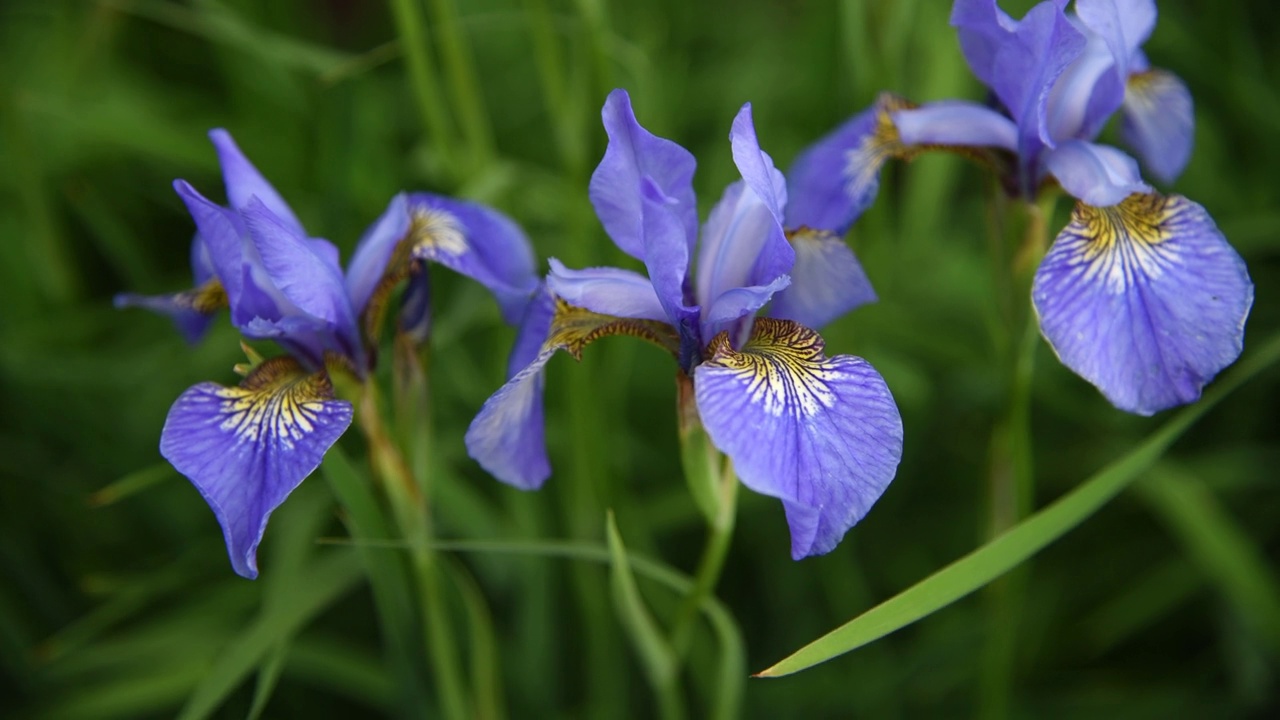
[{"x": 116, "y": 597}]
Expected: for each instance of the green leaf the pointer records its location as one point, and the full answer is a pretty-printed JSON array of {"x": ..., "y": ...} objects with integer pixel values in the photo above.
[
  {"x": 656, "y": 655},
  {"x": 321, "y": 584},
  {"x": 268, "y": 677},
  {"x": 1021, "y": 541}
]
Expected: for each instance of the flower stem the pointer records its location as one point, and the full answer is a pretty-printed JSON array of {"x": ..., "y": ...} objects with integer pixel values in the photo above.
[
  {"x": 410, "y": 508},
  {"x": 714, "y": 486},
  {"x": 1012, "y": 484}
]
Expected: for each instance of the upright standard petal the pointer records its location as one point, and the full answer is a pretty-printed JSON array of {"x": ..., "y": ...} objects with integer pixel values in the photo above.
[
  {"x": 826, "y": 281},
  {"x": 1159, "y": 122},
  {"x": 373, "y": 254},
  {"x": 634, "y": 153},
  {"x": 1020, "y": 62},
  {"x": 1145, "y": 299},
  {"x": 478, "y": 242},
  {"x": 244, "y": 181},
  {"x": 821, "y": 434},
  {"x": 246, "y": 448},
  {"x": 1097, "y": 174}
]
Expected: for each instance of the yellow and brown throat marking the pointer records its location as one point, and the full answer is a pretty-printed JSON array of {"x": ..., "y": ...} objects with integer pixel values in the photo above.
[
  {"x": 278, "y": 399},
  {"x": 782, "y": 361},
  {"x": 1140, "y": 219},
  {"x": 573, "y": 328}
]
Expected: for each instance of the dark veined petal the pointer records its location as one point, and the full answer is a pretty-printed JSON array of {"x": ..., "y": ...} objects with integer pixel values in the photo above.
[
  {"x": 606, "y": 290},
  {"x": 244, "y": 181},
  {"x": 1159, "y": 122},
  {"x": 1145, "y": 299},
  {"x": 821, "y": 434},
  {"x": 478, "y": 242},
  {"x": 1099, "y": 175},
  {"x": 634, "y": 153},
  {"x": 246, "y": 448},
  {"x": 507, "y": 437},
  {"x": 191, "y": 310},
  {"x": 826, "y": 281}
]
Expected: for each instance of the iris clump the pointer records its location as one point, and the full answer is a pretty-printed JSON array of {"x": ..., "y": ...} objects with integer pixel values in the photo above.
[
  {"x": 1140, "y": 294},
  {"x": 735, "y": 305},
  {"x": 246, "y": 447}
]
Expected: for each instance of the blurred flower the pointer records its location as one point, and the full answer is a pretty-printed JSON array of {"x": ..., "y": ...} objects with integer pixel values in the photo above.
[
  {"x": 245, "y": 448},
  {"x": 820, "y": 433},
  {"x": 1140, "y": 294}
]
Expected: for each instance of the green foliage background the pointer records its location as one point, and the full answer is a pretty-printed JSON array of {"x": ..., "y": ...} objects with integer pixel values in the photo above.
[{"x": 116, "y": 599}]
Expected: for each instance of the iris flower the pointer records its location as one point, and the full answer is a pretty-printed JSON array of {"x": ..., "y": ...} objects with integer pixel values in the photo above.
[
  {"x": 820, "y": 433},
  {"x": 246, "y": 447},
  {"x": 1140, "y": 294}
]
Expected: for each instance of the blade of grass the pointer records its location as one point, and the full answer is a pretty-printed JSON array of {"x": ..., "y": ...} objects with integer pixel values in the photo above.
[
  {"x": 321, "y": 584},
  {"x": 1022, "y": 541},
  {"x": 656, "y": 654}
]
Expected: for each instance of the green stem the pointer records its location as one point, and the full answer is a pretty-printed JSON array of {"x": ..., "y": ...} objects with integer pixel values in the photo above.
[
  {"x": 1012, "y": 481},
  {"x": 410, "y": 508},
  {"x": 712, "y": 563},
  {"x": 412, "y": 28}
]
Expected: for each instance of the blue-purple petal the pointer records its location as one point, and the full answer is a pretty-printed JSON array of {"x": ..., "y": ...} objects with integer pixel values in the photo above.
[
  {"x": 634, "y": 153},
  {"x": 1020, "y": 61},
  {"x": 222, "y": 234},
  {"x": 508, "y": 436},
  {"x": 373, "y": 253},
  {"x": 821, "y": 434},
  {"x": 955, "y": 123},
  {"x": 606, "y": 290},
  {"x": 246, "y": 448},
  {"x": 478, "y": 242},
  {"x": 826, "y": 281},
  {"x": 244, "y": 181},
  {"x": 737, "y": 231},
  {"x": 832, "y": 182},
  {"x": 1146, "y": 300},
  {"x": 1099, "y": 175},
  {"x": 181, "y": 308},
  {"x": 1159, "y": 122}
]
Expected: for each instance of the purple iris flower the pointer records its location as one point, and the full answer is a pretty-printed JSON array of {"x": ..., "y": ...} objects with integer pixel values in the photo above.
[
  {"x": 1140, "y": 294},
  {"x": 245, "y": 448},
  {"x": 820, "y": 433}
]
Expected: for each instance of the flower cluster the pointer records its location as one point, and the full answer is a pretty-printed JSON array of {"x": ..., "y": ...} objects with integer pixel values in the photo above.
[
  {"x": 820, "y": 433},
  {"x": 1140, "y": 294},
  {"x": 245, "y": 448}
]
